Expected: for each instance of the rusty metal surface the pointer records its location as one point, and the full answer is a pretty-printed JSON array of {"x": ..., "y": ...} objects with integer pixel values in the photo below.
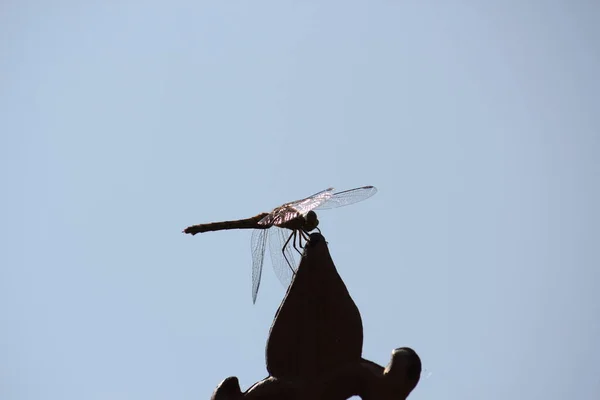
[
  {"x": 315, "y": 344},
  {"x": 317, "y": 327}
]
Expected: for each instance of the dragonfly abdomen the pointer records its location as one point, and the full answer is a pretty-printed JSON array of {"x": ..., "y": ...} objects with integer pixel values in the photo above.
[{"x": 248, "y": 223}]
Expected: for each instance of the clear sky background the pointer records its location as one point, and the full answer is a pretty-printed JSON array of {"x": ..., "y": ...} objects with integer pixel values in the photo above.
[{"x": 123, "y": 122}]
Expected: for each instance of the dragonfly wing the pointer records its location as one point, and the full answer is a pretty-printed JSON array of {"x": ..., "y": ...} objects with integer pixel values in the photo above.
[
  {"x": 347, "y": 197},
  {"x": 282, "y": 258},
  {"x": 311, "y": 202},
  {"x": 291, "y": 210},
  {"x": 259, "y": 244}
]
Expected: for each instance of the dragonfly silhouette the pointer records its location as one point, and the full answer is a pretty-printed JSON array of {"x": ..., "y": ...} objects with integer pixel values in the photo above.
[{"x": 296, "y": 216}]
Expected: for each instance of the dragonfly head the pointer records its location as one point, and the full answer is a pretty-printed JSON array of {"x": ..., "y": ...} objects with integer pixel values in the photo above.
[{"x": 311, "y": 221}]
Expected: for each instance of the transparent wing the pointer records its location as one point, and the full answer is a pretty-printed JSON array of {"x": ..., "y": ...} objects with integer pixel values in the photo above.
[
  {"x": 311, "y": 202},
  {"x": 259, "y": 245},
  {"x": 291, "y": 210},
  {"x": 283, "y": 259},
  {"x": 347, "y": 197}
]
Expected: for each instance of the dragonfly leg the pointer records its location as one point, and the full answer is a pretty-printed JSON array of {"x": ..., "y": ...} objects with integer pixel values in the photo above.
[
  {"x": 304, "y": 235},
  {"x": 298, "y": 237},
  {"x": 283, "y": 250}
]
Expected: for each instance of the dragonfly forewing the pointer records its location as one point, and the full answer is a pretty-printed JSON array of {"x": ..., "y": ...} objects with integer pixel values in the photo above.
[
  {"x": 291, "y": 210},
  {"x": 311, "y": 202},
  {"x": 347, "y": 197}
]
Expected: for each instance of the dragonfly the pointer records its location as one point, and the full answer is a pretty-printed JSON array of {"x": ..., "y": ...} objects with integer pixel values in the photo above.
[{"x": 286, "y": 229}]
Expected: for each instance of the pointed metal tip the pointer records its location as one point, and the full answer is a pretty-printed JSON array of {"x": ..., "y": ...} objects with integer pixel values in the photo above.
[{"x": 315, "y": 238}]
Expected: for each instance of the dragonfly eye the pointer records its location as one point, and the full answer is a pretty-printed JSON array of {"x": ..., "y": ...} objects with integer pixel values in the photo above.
[{"x": 311, "y": 221}]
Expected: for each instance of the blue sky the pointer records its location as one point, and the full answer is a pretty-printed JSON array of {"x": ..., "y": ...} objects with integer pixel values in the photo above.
[{"x": 123, "y": 122}]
